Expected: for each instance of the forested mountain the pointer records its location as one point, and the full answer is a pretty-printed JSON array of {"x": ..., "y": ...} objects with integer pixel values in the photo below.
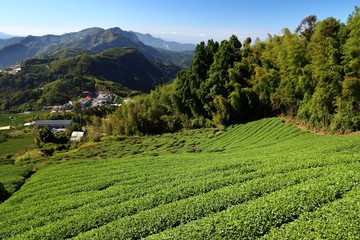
[
  {"x": 95, "y": 40},
  {"x": 311, "y": 75},
  {"x": 126, "y": 66},
  {"x": 12, "y": 54},
  {"x": 48, "y": 81},
  {"x": 68, "y": 52}
]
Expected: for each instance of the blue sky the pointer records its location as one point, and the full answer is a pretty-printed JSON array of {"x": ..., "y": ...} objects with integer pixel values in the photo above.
[{"x": 179, "y": 20}]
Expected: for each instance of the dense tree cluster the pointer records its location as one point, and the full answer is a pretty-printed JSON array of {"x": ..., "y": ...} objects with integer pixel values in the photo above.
[{"x": 312, "y": 75}]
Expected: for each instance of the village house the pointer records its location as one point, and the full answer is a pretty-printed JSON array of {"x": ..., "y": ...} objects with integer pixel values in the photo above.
[
  {"x": 12, "y": 70},
  {"x": 52, "y": 123},
  {"x": 76, "y": 136}
]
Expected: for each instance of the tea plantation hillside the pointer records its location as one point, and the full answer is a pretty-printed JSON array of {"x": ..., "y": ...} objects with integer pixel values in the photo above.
[{"x": 264, "y": 179}]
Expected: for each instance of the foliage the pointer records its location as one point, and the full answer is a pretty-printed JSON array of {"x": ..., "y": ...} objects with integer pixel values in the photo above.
[
  {"x": 46, "y": 135},
  {"x": 310, "y": 74},
  {"x": 120, "y": 65},
  {"x": 12, "y": 176},
  {"x": 306, "y": 27},
  {"x": 48, "y": 151},
  {"x": 153, "y": 113}
]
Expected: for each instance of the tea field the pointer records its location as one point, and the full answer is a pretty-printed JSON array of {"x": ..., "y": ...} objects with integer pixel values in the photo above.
[{"x": 264, "y": 179}]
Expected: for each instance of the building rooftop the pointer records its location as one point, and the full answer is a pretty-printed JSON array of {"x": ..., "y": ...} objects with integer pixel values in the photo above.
[{"x": 52, "y": 123}]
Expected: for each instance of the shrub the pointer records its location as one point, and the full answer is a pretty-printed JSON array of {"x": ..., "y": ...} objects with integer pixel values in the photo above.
[
  {"x": 3, "y": 193},
  {"x": 48, "y": 151}
]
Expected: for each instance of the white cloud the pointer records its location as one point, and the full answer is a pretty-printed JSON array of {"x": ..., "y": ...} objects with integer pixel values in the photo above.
[{"x": 196, "y": 37}]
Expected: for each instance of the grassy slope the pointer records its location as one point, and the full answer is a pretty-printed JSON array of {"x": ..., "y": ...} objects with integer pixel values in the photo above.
[
  {"x": 264, "y": 179},
  {"x": 17, "y": 118},
  {"x": 16, "y": 144}
]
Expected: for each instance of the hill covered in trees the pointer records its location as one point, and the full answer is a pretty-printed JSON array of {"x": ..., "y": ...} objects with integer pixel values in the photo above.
[
  {"x": 311, "y": 75},
  {"x": 126, "y": 66},
  {"x": 47, "y": 81}
]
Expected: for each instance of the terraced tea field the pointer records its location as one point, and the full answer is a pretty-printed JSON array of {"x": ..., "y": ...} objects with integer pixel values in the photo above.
[{"x": 263, "y": 179}]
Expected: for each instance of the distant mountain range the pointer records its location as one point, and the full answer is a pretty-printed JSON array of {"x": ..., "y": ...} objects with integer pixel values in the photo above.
[
  {"x": 94, "y": 40},
  {"x": 4, "y": 35},
  {"x": 166, "y": 45}
]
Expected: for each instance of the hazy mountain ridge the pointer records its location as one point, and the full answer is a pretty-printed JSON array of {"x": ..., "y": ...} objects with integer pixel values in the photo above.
[
  {"x": 5, "y": 35},
  {"x": 95, "y": 40},
  {"x": 155, "y": 42}
]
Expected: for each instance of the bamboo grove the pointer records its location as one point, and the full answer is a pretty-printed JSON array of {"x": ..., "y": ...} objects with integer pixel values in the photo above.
[{"x": 311, "y": 75}]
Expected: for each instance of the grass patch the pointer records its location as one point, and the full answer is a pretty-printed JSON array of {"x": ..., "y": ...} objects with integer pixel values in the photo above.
[
  {"x": 15, "y": 119},
  {"x": 16, "y": 143}
]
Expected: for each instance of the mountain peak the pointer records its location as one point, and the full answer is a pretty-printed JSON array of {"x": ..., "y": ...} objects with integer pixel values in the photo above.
[{"x": 91, "y": 31}]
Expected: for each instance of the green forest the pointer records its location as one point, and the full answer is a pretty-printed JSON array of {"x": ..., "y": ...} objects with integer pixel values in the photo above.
[{"x": 311, "y": 75}]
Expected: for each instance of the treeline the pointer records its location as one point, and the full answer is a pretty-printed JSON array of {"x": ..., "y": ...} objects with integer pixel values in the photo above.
[{"x": 311, "y": 74}]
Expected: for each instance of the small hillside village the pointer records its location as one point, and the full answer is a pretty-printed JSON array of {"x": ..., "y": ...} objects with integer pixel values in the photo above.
[
  {"x": 87, "y": 99},
  {"x": 100, "y": 97},
  {"x": 58, "y": 126},
  {"x": 11, "y": 70}
]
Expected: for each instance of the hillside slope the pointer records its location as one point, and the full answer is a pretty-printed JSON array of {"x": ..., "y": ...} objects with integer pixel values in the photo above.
[
  {"x": 12, "y": 54},
  {"x": 269, "y": 181},
  {"x": 126, "y": 66}
]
